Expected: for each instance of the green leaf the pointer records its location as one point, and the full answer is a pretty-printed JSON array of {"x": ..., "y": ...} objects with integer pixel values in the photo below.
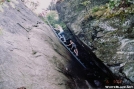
[{"x": 8, "y": 0}]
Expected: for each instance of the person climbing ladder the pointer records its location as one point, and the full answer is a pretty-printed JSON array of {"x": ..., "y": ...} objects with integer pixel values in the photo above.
[
  {"x": 61, "y": 33},
  {"x": 73, "y": 46}
]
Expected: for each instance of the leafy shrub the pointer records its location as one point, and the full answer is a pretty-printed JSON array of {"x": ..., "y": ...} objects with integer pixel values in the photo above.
[
  {"x": 85, "y": 3},
  {"x": 95, "y": 9},
  {"x": 114, "y": 3},
  {"x": 119, "y": 8},
  {"x": 53, "y": 18},
  {"x": 120, "y": 3}
]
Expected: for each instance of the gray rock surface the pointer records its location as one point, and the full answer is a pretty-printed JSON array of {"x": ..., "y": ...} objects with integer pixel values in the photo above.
[
  {"x": 128, "y": 71},
  {"x": 29, "y": 54}
]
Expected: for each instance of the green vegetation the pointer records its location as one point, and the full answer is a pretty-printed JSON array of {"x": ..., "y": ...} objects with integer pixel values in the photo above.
[
  {"x": 119, "y": 3},
  {"x": 8, "y": 0},
  {"x": 85, "y": 3},
  {"x": 95, "y": 9},
  {"x": 114, "y": 3},
  {"x": 114, "y": 8},
  {"x": 1, "y": 1},
  {"x": 53, "y": 18}
]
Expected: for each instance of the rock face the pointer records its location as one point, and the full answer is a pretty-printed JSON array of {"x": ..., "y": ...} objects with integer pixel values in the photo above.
[
  {"x": 112, "y": 37},
  {"x": 29, "y": 51}
]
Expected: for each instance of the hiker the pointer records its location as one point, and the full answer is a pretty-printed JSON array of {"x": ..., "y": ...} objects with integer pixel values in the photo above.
[
  {"x": 61, "y": 33},
  {"x": 73, "y": 46}
]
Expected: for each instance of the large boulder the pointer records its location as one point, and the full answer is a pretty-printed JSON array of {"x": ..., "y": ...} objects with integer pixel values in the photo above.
[
  {"x": 109, "y": 33},
  {"x": 29, "y": 51}
]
